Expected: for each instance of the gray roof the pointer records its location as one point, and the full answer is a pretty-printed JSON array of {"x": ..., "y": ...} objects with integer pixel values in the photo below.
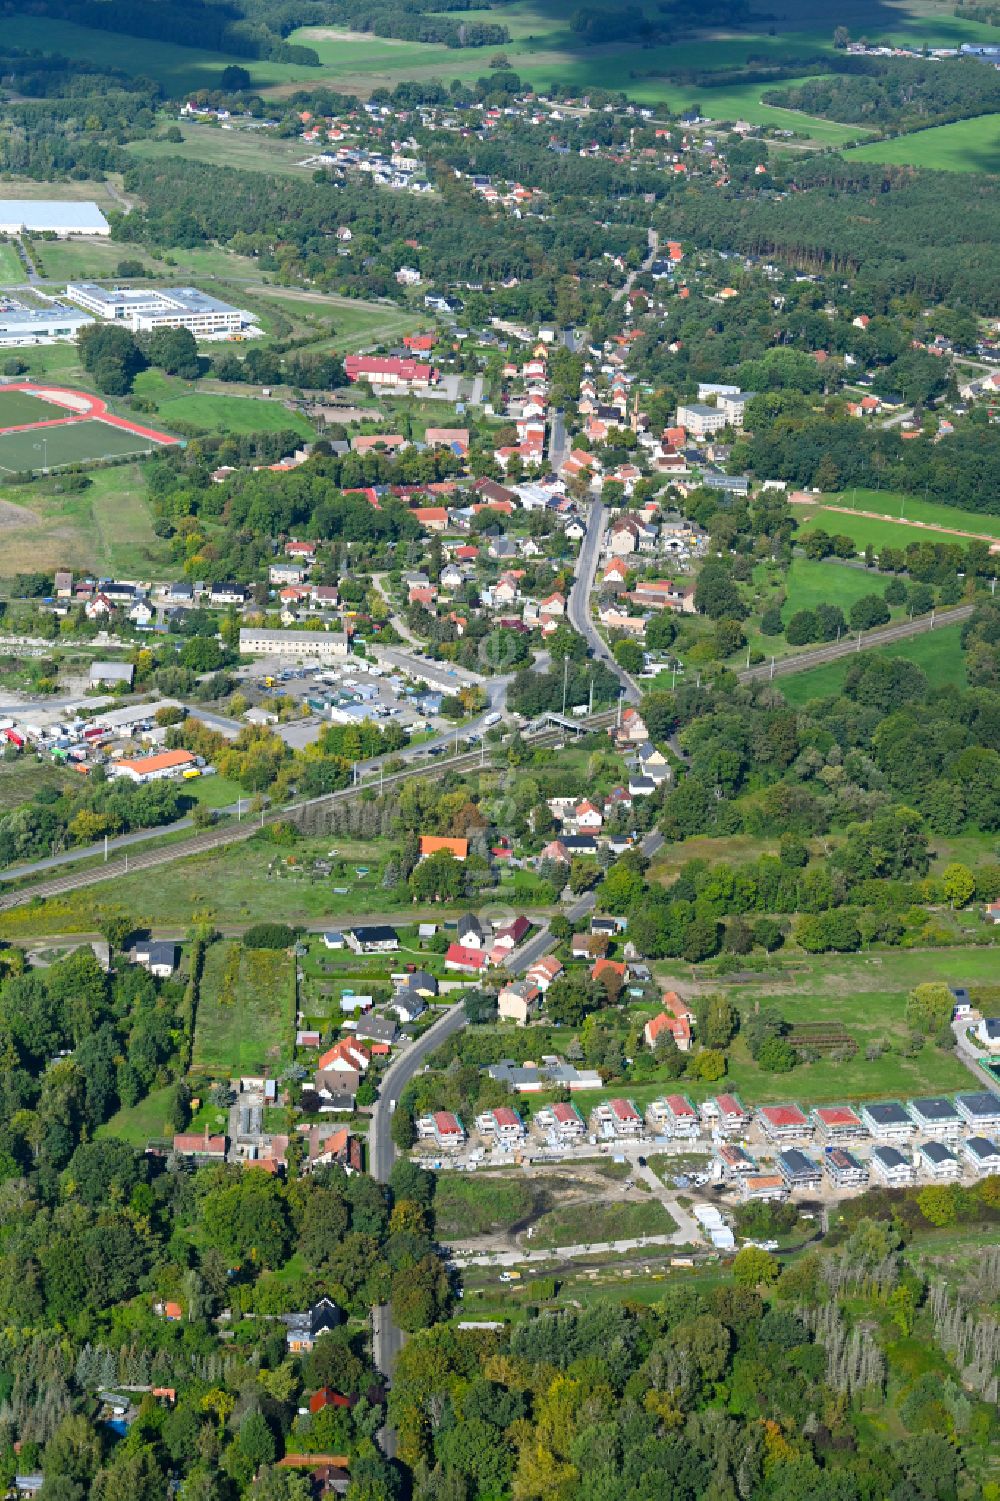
[
  {"x": 937, "y": 1152},
  {"x": 889, "y": 1114},
  {"x": 937, "y": 1109},
  {"x": 51, "y": 213}
]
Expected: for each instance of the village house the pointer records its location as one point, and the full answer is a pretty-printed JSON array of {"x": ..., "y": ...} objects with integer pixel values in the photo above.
[{"x": 518, "y": 1002}]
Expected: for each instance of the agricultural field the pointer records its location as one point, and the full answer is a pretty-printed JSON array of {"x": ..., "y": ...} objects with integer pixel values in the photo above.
[
  {"x": 938, "y": 654},
  {"x": 964, "y": 146},
  {"x": 246, "y": 1011}
]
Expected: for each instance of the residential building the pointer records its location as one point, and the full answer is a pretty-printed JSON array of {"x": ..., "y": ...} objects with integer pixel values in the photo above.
[
  {"x": 783, "y": 1122},
  {"x": 980, "y": 1111},
  {"x": 673, "y": 1115},
  {"x": 444, "y": 1128},
  {"x": 770, "y": 1187},
  {"x": 465, "y": 961},
  {"x": 988, "y": 1033},
  {"x": 935, "y": 1117},
  {"x": 843, "y": 1169},
  {"x": 471, "y": 933},
  {"x": 156, "y": 768},
  {"x": 200, "y": 1145},
  {"x": 888, "y": 1121},
  {"x": 700, "y": 420},
  {"x": 735, "y": 1161},
  {"x": 678, "y": 1027},
  {"x": 157, "y": 955},
  {"x": 835, "y": 1123},
  {"x": 799, "y": 1171},
  {"x": 502, "y": 1125},
  {"x": 562, "y": 1122},
  {"x": 982, "y": 1155},
  {"x": 380, "y": 938},
  {"x": 544, "y": 971},
  {"x": 304, "y": 1329},
  {"x": 430, "y": 844},
  {"x": 616, "y": 1118},
  {"x": 326, "y": 646},
  {"x": 346, "y": 1056},
  {"x": 377, "y": 1029},
  {"x": 146, "y": 310},
  {"x": 726, "y": 1115},
  {"x": 939, "y": 1161},
  {"x": 889, "y": 1166},
  {"x": 518, "y": 1002}
]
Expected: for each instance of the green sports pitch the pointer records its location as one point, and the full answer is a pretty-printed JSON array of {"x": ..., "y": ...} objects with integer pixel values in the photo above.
[
  {"x": 20, "y": 409},
  {"x": 67, "y": 443}
]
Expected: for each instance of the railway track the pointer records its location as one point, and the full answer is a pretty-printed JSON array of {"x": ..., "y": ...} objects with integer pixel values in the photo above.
[
  {"x": 837, "y": 650},
  {"x": 213, "y": 839}
]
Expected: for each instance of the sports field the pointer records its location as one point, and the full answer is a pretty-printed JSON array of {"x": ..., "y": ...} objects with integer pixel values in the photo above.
[
  {"x": 965, "y": 146},
  {"x": 20, "y": 409},
  {"x": 70, "y": 443}
]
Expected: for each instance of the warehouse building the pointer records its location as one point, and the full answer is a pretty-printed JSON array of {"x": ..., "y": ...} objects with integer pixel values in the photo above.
[
  {"x": 21, "y": 326},
  {"x": 42, "y": 216},
  {"x": 143, "y": 310}
]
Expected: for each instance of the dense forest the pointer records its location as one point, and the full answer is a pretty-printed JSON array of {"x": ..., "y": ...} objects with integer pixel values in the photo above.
[
  {"x": 891, "y": 230},
  {"x": 901, "y": 92}
]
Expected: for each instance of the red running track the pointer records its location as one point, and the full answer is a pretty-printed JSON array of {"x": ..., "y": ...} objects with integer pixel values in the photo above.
[{"x": 94, "y": 410}]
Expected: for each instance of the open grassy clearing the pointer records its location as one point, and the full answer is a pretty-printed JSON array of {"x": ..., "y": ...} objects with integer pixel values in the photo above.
[
  {"x": 11, "y": 266},
  {"x": 106, "y": 527},
  {"x": 145, "y": 1122},
  {"x": 249, "y": 150},
  {"x": 938, "y": 654},
  {"x": 184, "y": 401},
  {"x": 20, "y": 779},
  {"x": 91, "y": 259},
  {"x": 810, "y": 583},
  {"x": 246, "y": 1011},
  {"x": 473, "y": 1204},
  {"x": 583, "y": 1224},
  {"x": 82, "y": 190},
  {"x": 74, "y": 443},
  {"x": 964, "y": 146}
]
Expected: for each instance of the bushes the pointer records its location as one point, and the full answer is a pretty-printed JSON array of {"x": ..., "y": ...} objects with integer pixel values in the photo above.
[{"x": 268, "y": 935}]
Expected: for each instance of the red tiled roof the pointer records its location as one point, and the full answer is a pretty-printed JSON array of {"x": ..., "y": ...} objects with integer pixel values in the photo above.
[{"x": 783, "y": 1115}]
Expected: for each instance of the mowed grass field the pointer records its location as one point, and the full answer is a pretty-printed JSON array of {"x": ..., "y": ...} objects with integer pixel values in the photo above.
[
  {"x": 19, "y": 409},
  {"x": 965, "y": 146},
  {"x": 867, "y": 529},
  {"x": 11, "y": 267},
  {"x": 106, "y": 528},
  {"x": 938, "y": 654},
  {"x": 246, "y": 1011},
  {"x": 251, "y": 150},
  {"x": 810, "y": 583},
  {"x": 892, "y": 504},
  {"x": 73, "y": 443}
]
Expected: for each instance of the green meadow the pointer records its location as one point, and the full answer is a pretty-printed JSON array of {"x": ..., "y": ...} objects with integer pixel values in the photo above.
[
  {"x": 938, "y": 654},
  {"x": 965, "y": 146}
]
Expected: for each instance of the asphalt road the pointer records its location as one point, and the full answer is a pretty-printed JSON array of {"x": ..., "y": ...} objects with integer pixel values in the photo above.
[
  {"x": 579, "y": 600},
  {"x": 626, "y": 287},
  {"x": 387, "y": 1337}
]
